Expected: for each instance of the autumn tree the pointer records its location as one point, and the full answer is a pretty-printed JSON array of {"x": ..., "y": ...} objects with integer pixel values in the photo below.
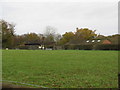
[
  {"x": 19, "y": 40},
  {"x": 7, "y": 34},
  {"x": 0, "y": 34},
  {"x": 31, "y": 38},
  {"x": 83, "y": 34},
  {"x": 66, "y": 38},
  {"x": 77, "y": 37}
]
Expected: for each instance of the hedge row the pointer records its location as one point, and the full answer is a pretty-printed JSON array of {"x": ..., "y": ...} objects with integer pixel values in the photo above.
[
  {"x": 107, "y": 47},
  {"x": 28, "y": 47},
  {"x": 92, "y": 47},
  {"x": 79, "y": 47}
]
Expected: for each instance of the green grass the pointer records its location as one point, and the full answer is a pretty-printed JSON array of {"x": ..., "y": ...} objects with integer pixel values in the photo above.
[{"x": 62, "y": 68}]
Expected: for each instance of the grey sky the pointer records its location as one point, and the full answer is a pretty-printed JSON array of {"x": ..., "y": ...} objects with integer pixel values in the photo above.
[{"x": 65, "y": 16}]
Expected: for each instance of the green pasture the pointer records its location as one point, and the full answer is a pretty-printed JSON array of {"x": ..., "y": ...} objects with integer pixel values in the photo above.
[{"x": 61, "y": 68}]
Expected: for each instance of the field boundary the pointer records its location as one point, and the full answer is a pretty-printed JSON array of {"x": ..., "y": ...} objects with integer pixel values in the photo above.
[{"x": 34, "y": 85}]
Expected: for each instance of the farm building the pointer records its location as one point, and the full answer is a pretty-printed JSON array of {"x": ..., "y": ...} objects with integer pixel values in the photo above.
[
  {"x": 39, "y": 46},
  {"x": 30, "y": 46},
  {"x": 93, "y": 44}
]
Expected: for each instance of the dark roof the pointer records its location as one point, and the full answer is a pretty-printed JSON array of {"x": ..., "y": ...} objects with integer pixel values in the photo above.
[{"x": 32, "y": 44}]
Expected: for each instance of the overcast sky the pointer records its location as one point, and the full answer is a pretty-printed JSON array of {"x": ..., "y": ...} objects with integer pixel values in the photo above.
[{"x": 65, "y": 16}]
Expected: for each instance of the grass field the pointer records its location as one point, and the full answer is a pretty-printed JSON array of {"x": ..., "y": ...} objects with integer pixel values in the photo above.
[{"x": 62, "y": 68}]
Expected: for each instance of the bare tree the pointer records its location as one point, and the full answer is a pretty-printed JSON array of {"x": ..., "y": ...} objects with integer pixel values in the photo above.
[
  {"x": 57, "y": 37},
  {"x": 49, "y": 34},
  {"x": 50, "y": 31}
]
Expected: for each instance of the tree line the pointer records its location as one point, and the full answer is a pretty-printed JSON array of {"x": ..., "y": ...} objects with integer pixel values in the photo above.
[{"x": 50, "y": 36}]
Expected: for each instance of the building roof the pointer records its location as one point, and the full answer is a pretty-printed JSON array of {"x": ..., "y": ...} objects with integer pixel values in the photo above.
[
  {"x": 92, "y": 41},
  {"x": 106, "y": 42}
]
